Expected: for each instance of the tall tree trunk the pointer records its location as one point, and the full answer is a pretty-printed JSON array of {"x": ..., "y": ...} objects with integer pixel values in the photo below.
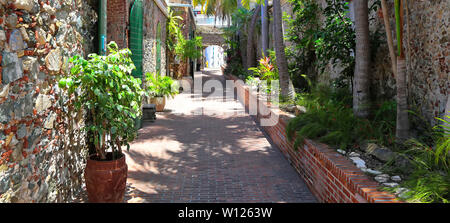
[
  {"x": 287, "y": 88},
  {"x": 240, "y": 34},
  {"x": 265, "y": 27},
  {"x": 242, "y": 45},
  {"x": 251, "y": 57},
  {"x": 387, "y": 27},
  {"x": 402, "y": 129},
  {"x": 362, "y": 60}
]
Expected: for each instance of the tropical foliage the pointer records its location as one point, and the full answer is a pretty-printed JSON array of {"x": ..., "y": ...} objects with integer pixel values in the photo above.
[
  {"x": 160, "y": 86},
  {"x": 173, "y": 30},
  {"x": 189, "y": 48},
  {"x": 302, "y": 32},
  {"x": 334, "y": 41},
  {"x": 329, "y": 119},
  {"x": 266, "y": 71},
  {"x": 430, "y": 181}
]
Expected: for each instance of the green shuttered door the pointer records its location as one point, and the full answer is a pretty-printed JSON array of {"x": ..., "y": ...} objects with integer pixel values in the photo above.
[
  {"x": 136, "y": 31},
  {"x": 136, "y": 24}
]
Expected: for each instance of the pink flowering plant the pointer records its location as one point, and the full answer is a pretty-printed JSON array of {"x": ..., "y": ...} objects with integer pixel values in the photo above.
[{"x": 263, "y": 74}]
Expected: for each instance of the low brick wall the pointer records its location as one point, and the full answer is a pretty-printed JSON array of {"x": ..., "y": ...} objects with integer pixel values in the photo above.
[{"x": 331, "y": 177}]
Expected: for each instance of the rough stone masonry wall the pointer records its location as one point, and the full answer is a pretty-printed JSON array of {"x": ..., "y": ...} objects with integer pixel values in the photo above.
[
  {"x": 42, "y": 154},
  {"x": 427, "y": 57},
  {"x": 153, "y": 16}
]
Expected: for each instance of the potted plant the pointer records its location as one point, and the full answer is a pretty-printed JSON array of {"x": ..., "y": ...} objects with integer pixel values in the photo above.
[
  {"x": 159, "y": 87},
  {"x": 103, "y": 88}
]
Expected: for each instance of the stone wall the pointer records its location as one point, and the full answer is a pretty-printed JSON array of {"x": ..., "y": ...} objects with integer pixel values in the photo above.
[
  {"x": 42, "y": 154},
  {"x": 427, "y": 57},
  {"x": 152, "y": 17}
]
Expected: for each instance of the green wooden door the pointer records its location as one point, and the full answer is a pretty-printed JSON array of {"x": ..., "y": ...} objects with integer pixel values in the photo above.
[
  {"x": 135, "y": 43},
  {"x": 136, "y": 36}
]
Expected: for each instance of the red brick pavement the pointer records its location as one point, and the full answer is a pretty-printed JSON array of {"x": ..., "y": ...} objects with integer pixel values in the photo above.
[{"x": 220, "y": 156}]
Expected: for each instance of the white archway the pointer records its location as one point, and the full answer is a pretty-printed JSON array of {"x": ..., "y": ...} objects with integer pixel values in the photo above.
[{"x": 213, "y": 56}]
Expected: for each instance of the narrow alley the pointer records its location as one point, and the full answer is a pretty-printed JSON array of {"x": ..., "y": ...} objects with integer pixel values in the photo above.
[{"x": 220, "y": 156}]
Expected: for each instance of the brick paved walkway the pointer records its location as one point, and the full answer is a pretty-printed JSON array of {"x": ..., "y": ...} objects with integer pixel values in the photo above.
[{"x": 221, "y": 156}]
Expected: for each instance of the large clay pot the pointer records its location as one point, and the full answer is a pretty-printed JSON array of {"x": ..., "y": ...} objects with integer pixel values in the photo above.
[
  {"x": 160, "y": 103},
  {"x": 106, "y": 180}
]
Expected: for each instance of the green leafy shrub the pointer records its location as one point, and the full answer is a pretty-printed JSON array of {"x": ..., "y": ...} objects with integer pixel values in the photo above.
[
  {"x": 428, "y": 187},
  {"x": 436, "y": 158},
  {"x": 316, "y": 44},
  {"x": 266, "y": 71},
  {"x": 384, "y": 120},
  {"x": 329, "y": 119},
  {"x": 302, "y": 32},
  {"x": 430, "y": 179},
  {"x": 336, "y": 40},
  {"x": 173, "y": 30},
  {"x": 443, "y": 142},
  {"x": 103, "y": 87},
  {"x": 161, "y": 86},
  {"x": 189, "y": 48},
  {"x": 234, "y": 66}
]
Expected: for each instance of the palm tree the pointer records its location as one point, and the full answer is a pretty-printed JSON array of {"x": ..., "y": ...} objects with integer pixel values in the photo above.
[
  {"x": 287, "y": 88},
  {"x": 402, "y": 129},
  {"x": 220, "y": 8},
  {"x": 251, "y": 57},
  {"x": 362, "y": 60},
  {"x": 398, "y": 67},
  {"x": 264, "y": 27},
  {"x": 387, "y": 27}
]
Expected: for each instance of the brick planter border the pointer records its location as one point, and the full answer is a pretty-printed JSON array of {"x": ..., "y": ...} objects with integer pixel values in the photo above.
[{"x": 331, "y": 177}]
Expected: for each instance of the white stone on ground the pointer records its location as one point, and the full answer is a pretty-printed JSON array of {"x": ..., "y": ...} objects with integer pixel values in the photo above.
[
  {"x": 382, "y": 178},
  {"x": 390, "y": 184},
  {"x": 359, "y": 162},
  {"x": 368, "y": 170}
]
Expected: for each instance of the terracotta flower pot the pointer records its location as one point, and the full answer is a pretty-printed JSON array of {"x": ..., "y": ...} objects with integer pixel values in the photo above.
[
  {"x": 106, "y": 180},
  {"x": 160, "y": 103}
]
